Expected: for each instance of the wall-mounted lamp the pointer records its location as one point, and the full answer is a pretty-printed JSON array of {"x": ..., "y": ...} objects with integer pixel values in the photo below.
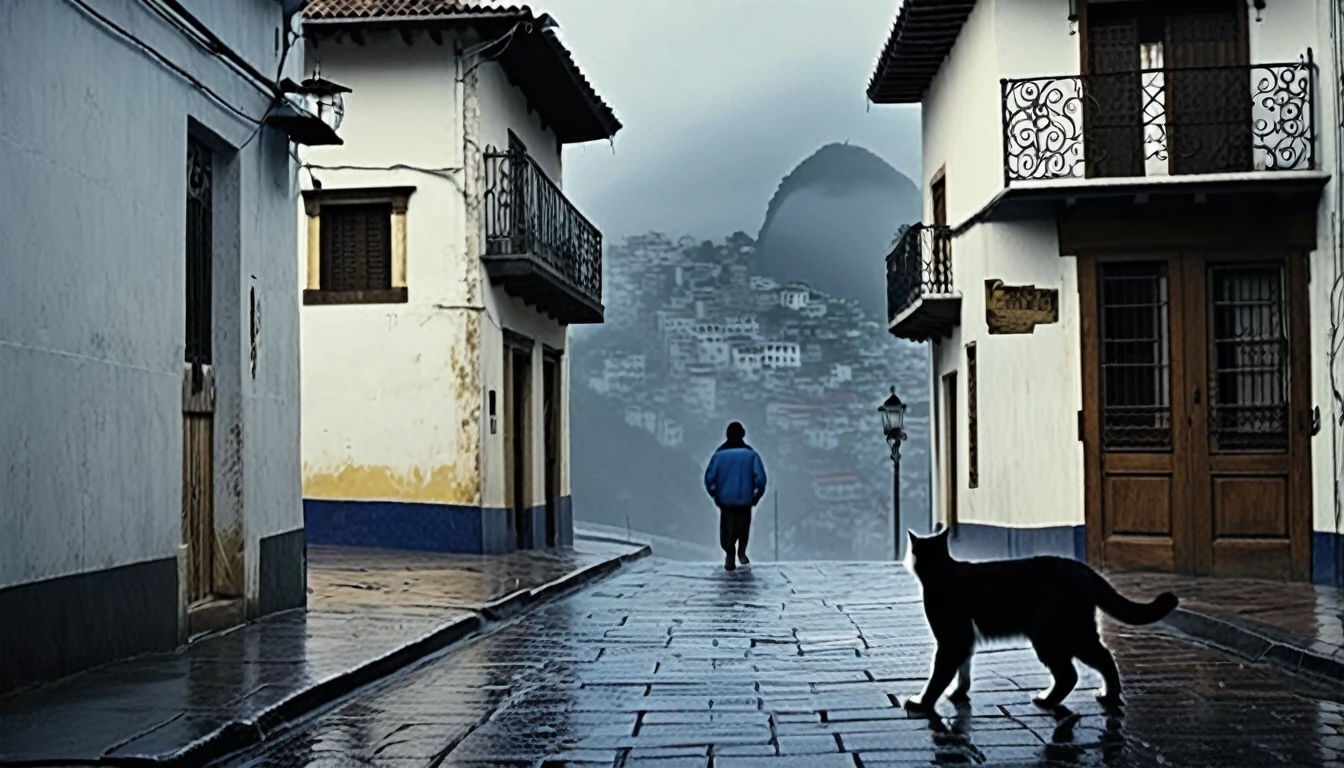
[
  {"x": 1259, "y": 6},
  {"x": 312, "y": 112},
  {"x": 1073, "y": 17}
]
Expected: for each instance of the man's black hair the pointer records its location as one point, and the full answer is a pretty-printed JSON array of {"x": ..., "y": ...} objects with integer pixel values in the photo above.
[{"x": 736, "y": 431}]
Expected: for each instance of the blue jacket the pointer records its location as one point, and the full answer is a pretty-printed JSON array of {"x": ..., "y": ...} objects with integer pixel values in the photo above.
[{"x": 735, "y": 476}]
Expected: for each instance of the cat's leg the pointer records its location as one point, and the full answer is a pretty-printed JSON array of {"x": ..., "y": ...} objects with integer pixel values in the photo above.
[
  {"x": 1097, "y": 656},
  {"x": 946, "y": 661},
  {"x": 963, "y": 690},
  {"x": 1060, "y": 664}
]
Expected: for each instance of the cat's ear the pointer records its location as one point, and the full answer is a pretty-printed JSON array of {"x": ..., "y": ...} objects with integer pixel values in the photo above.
[
  {"x": 913, "y": 537},
  {"x": 942, "y": 532}
]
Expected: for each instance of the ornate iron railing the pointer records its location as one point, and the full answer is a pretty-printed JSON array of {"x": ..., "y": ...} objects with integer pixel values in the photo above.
[
  {"x": 525, "y": 213},
  {"x": 920, "y": 265},
  {"x": 1160, "y": 122}
]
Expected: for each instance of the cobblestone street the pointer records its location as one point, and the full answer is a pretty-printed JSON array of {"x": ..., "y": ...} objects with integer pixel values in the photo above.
[{"x": 682, "y": 664}]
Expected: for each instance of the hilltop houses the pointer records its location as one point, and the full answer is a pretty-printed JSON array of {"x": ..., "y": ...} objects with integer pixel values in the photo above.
[
  {"x": 442, "y": 267},
  {"x": 1125, "y": 273},
  {"x": 798, "y": 369}
]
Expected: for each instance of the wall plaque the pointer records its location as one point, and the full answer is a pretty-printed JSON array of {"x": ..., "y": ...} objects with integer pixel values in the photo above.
[{"x": 1019, "y": 308}]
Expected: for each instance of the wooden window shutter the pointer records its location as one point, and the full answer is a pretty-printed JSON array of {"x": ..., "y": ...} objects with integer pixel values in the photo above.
[{"x": 356, "y": 249}]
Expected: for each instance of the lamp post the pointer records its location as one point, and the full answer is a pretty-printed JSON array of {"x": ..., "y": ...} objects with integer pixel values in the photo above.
[{"x": 893, "y": 428}]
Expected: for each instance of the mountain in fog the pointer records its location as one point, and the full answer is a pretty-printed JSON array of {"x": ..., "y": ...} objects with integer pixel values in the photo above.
[{"x": 831, "y": 223}]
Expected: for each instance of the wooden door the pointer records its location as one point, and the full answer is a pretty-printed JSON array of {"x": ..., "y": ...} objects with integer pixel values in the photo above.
[
  {"x": 940, "y": 271},
  {"x": 950, "y": 450},
  {"x": 1208, "y": 84},
  {"x": 198, "y": 392},
  {"x": 519, "y": 434},
  {"x": 1112, "y": 92},
  {"x": 1248, "y": 376},
  {"x": 1195, "y": 394},
  {"x": 1134, "y": 384},
  {"x": 551, "y": 439}
]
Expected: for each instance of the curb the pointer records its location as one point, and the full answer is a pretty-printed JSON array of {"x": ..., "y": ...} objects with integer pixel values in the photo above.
[
  {"x": 1254, "y": 646},
  {"x": 240, "y": 735}
]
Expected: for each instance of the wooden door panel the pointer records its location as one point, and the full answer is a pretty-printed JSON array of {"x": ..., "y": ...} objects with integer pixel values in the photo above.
[
  {"x": 1139, "y": 399},
  {"x": 1241, "y": 447},
  {"x": 1250, "y": 508},
  {"x": 1139, "y": 505}
]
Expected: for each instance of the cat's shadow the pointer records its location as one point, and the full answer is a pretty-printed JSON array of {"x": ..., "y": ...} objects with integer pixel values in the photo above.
[{"x": 956, "y": 733}]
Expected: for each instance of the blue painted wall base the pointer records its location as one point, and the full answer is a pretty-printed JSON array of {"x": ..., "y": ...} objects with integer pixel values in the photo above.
[
  {"x": 1327, "y": 558},
  {"x": 976, "y": 541},
  {"x": 427, "y": 527}
]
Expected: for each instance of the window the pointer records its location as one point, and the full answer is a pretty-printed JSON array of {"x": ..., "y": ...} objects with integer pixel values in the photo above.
[{"x": 356, "y": 246}]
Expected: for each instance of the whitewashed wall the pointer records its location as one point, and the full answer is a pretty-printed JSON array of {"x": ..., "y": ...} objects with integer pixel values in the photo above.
[
  {"x": 391, "y": 391},
  {"x": 503, "y": 108},
  {"x": 419, "y": 373},
  {"x": 93, "y": 140}
]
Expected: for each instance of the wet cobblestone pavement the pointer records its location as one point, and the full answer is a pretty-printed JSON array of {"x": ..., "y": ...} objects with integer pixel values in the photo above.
[
  {"x": 369, "y": 613},
  {"x": 799, "y": 665}
]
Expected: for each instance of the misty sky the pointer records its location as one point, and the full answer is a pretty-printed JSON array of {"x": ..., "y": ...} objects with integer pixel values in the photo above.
[{"x": 720, "y": 99}]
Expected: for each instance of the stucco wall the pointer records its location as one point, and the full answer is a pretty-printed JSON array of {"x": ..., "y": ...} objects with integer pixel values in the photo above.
[
  {"x": 962, "y": 130},
  {"x": 961, "y": 124},
  {"x": 418, "y": 374},
  {"x": 92, "y": 313},
  {"x": 503, "y": 108},
  {"x": 391, "y": 391}
]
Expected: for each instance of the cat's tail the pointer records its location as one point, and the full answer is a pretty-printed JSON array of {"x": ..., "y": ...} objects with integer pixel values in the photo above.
[{"x": 1123, "y": 609}]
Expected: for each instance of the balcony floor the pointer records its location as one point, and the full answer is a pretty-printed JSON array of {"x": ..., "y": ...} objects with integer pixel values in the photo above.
[
  {"x": 526, "y": 277},
  {"x": 929, "y": 318}
]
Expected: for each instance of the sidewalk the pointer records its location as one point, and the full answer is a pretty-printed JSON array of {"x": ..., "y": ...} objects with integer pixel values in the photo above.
[
  {"x": 1299, "y": 627},
  {"x": 369, "y": 614}
]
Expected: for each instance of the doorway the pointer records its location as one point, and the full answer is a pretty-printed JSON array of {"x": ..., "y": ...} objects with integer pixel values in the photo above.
[
  {"x": 1195, "y": 387},
  {"x": 550, "y": 414},
  {"x": 198, "y": 385},
  {"x": 950, "y": 451},
  {"x": 1168, "y": 88},
  {"x": 519, "y": 431}
]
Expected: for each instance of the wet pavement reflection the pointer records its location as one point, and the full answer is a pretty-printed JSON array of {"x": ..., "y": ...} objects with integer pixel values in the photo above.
[{"x": 682, "y": 664}]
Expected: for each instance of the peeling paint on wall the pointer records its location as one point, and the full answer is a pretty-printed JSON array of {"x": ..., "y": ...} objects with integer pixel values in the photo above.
[{"x": 446, "y": 484}]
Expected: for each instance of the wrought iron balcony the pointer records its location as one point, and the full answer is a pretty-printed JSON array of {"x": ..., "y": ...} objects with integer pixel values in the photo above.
[
  {"x": 1160, "y": 122},
  {"x": 921, "y": 304},
  {"x": 537, "y": 244}
]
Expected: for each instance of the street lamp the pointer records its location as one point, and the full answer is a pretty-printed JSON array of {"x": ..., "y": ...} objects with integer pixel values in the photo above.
[
  {"x": 893, "y": 428},
  {"x": 312, "y": 111}
]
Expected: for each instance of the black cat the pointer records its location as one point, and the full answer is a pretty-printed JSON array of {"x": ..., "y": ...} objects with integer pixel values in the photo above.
[{"x": 1052, "y": 601}]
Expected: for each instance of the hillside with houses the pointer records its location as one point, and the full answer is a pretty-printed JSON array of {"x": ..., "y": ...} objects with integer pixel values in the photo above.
[{"x": 695, "y": 339}]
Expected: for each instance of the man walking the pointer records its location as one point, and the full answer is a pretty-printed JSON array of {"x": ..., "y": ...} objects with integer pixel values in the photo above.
[{"x": 735, "y": 480}]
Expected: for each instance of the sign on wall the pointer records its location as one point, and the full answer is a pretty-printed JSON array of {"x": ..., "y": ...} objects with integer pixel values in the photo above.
[{"x": 1019, "y": 308}]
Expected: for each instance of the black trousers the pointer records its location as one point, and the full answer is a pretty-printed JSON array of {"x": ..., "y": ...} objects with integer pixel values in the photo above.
[{"x": 734, "y": 528}]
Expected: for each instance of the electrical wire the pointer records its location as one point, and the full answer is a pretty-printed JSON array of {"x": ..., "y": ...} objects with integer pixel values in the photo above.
[
  {"x": 1336, "y": 293},
  {"x": 447, "y": 173},
  {"x": 165, "y": 61},
  {"x": 191, "y": 27},
  {"x": 480, "y": 48}
]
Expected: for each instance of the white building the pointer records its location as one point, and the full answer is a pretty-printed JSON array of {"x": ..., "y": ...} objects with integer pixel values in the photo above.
[
  {"x": 782, "y": 354},
  {"x": 441, "y": 269},
  {"x": 1140, "y": 270},
  {"x": 145, "y": 326},
  {"x": 794, "y": 296},
  {"x": 748, "y": 358}
]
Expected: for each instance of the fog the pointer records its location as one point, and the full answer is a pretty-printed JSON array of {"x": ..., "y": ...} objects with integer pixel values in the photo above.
[{"x": 721, "y": 103}]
